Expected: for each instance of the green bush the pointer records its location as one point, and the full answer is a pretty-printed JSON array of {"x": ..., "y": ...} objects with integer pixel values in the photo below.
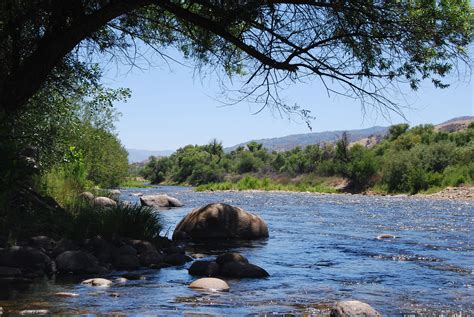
[{"x": 204, "y": 174}]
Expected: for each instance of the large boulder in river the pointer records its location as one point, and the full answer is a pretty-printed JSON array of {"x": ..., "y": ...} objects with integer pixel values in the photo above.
[
  {"x": 220, "y": 221},
  {"x": 353, "y": 308},
  {"x": 160, "y": 201}
]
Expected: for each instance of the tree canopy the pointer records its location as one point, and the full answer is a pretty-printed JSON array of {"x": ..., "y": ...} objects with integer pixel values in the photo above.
[{"x": 356, "y": 48}]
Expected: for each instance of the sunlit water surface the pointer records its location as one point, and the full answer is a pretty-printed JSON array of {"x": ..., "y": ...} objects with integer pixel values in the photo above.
[{"x": 322, "y": 248}]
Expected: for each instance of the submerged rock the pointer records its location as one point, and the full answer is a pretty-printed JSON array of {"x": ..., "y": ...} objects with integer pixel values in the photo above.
[
  {"x": 34, "y": 312},
  {"x": 99, "y": 282},
  {"x": 353, "y": 308},
  {"x": 210, "y": 284},
  {"x": 385, "y": 236},
  {"x": 121, "y": 280},
  {"x": 160, "y": 201},
  {"x": 66, "y": 294},
  {"x": 220, "y": 221}
]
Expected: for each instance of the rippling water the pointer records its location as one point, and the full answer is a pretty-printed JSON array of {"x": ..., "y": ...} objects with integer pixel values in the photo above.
[{"x": 322, "y": 248}]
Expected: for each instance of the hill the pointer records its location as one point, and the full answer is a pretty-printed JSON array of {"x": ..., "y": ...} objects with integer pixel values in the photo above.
[
  {"x": 366, "y": 137},
  {"x": 455, "y": 124},
  {"x": 288, "y": 142}
]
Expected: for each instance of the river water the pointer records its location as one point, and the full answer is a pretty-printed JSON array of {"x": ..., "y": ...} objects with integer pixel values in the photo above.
[{"x": 322, "y": 248}]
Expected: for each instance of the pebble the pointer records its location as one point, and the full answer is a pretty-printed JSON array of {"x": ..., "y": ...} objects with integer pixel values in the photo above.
[
  {"x": 121, "y": 280},
  {"x": 385, "y": 236}
]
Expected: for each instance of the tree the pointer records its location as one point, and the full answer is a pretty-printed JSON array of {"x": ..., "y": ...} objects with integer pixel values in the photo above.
[
  {"x": 355, "y": 48},
  {"x": 396, "y": 130}
]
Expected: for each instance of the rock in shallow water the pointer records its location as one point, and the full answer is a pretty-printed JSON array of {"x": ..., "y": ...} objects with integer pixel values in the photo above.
[
  {"x": 66, "y": 294},
  {"x": 242, "y": 270},
  {"x": 99, "y": 282},
  {"x": 385, "y": 236},
  {"x": 34, "y": 312},
  {"x": 231, "y": 257},
  {"x": 204, "y": 268},
  {"x": 210, "y": 284},
  {"x": 220, "y": 221},
  {"x": 353, "y": 308},
  {"x": 160, "y": 201}
]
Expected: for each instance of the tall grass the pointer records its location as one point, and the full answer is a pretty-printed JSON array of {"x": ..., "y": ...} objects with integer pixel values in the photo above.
[
  {"x": 124, "y": 220},
  {"x": 253, "y": 183},
  {"x": 135, "y": 183}
]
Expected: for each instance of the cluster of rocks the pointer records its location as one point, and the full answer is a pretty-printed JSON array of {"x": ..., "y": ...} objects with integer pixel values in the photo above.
[
  {"x": 42, "y": 255},
  {"x": 232, "y": 265},
  {"x": 101, "y": 202}
]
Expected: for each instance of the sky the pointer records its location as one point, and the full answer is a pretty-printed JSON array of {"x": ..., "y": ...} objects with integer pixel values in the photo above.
[{"x": 171, "y": 107}]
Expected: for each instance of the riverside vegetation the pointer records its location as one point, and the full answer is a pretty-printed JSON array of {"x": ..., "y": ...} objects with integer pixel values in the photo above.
[
  {"x": 59, "y": 146},
  {"x": 407, "y": 160}
]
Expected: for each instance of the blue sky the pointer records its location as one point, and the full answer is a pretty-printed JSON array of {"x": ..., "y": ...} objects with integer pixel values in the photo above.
[{"x": 171, "y": 107}]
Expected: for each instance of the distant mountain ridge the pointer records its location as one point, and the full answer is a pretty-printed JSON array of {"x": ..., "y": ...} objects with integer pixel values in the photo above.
[
  {"x": 288, "y": 142},
  {"x": 366, "y": 137}
]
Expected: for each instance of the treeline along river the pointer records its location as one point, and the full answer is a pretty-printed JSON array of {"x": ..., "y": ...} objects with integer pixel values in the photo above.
[{"x": 322, "y": 248}]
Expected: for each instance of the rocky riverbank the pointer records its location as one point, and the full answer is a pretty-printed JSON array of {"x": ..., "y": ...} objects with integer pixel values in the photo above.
[
  {"x": 449, "y": 193},
  {"x": 453, "y": 193},
  {"x": 42, "y": 256}
]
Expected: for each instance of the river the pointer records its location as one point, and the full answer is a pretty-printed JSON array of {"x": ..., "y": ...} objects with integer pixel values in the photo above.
[{"x": 322, "y": 248}]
